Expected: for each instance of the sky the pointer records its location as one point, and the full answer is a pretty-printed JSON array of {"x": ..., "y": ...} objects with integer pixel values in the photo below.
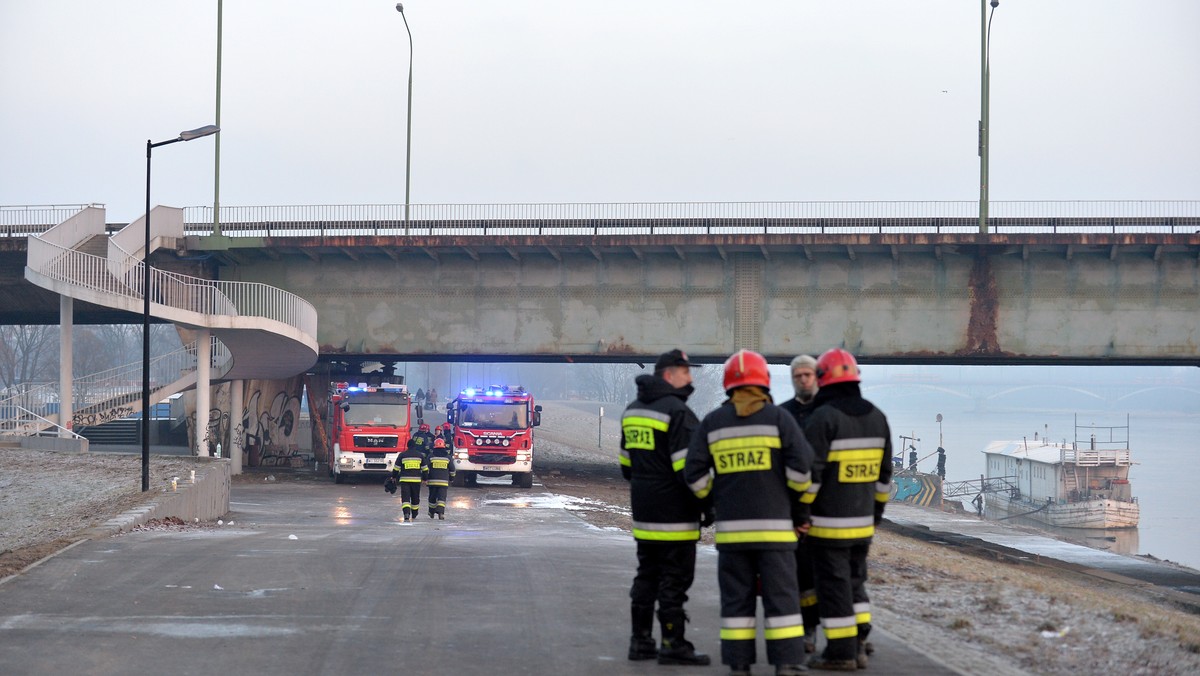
[{"x": 617, "y": 101}]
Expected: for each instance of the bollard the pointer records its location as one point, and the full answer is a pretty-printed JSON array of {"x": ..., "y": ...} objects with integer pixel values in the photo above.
[
  {"x": 218, "y": 449},
  {"x": 193, "y": 476},
  {"x": 174, "y": 483}
]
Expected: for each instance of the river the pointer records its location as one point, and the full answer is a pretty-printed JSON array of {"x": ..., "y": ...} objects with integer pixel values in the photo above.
[{"x": 1164, "y": 433}]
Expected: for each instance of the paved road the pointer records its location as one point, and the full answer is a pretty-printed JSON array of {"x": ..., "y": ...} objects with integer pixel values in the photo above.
[{"x": 315, "y": 578}]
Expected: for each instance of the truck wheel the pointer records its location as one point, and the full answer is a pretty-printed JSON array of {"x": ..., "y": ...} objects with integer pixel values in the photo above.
[
  {"x": 523, "y": 480},
  {"x": 459, "y": 480},
  {"x": 338, "y": 477},
  {"x": 471, "y": 481}
]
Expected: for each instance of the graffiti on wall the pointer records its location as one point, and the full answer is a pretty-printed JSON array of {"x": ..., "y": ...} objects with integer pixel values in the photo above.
[
  {"x": 267, "y": 429},
  {"x": 100, "y": 417}
]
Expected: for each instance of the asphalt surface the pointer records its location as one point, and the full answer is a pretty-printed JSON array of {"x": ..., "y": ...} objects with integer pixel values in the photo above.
[{"x": 315, "y": 578}]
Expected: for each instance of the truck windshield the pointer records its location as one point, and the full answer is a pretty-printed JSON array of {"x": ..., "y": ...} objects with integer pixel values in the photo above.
[
  {"x": 366, "y": 410},
  {"x": 495, "y": 416}
]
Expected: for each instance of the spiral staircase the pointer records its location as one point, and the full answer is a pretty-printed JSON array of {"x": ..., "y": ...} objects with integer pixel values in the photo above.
[{"x": 254, "y": 330}]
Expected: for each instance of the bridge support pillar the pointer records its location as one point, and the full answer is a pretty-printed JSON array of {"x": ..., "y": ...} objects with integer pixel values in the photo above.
[
  {"x": 237, "y": 431},
  {"x": 203, "y": 391},
  {"x": 66, "y": 361}
]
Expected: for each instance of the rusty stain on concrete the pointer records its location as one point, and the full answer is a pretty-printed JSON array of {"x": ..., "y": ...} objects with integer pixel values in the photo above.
[{"x": 985, "y": 308}]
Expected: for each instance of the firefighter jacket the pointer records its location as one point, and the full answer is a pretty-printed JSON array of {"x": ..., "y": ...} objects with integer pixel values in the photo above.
[
  {"x": 410, "y": 465},
  {"x": 422, "y": 441},
  {"x": 756, "y": 469},
  {"x": 799, "y": 411},
  {"x": 656, "y": 428},
  {"x": 853, "y": 470},
  {"x": 441, "y": 467}
]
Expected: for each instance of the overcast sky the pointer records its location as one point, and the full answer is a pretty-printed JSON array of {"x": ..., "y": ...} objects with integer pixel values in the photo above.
[{"x": 568, "y": 101}]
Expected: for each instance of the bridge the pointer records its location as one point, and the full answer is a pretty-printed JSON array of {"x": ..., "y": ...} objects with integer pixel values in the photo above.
[{"x": 1074, "y": 282}]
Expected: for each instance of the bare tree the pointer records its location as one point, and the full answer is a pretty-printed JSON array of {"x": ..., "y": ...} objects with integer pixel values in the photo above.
[{"x": 28, "y": 354}]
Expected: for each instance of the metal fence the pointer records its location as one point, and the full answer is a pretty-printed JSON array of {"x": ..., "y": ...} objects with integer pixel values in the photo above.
[
  {"x": 22, "y": 221},
  {"x": 699, "y": 218},
  {"x": 193, "y": 294},
  {"x": 664, "y": 218}
]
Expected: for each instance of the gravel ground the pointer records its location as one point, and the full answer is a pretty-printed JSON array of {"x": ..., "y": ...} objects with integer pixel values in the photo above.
[{"x": 971, "y": 611}]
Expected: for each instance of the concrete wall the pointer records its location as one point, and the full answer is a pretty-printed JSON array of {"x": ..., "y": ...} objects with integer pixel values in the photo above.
[
  {"x": 1012, "y": 304},
  {"x": 206, "y": 500}
]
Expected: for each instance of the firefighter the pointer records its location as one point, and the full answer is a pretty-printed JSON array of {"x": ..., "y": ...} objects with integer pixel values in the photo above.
[
  {"x": 447, "y": 432},
  {"x": 409, "y": 470},
  {"x": 441, "y": 471},
  {"x": 752, "y": 459},
  {"x": 422, "y": 439},
  {"x": 804, "y": 382},
  {"x": 656, "y": 428},
  {"x": 851, "y": 484}
]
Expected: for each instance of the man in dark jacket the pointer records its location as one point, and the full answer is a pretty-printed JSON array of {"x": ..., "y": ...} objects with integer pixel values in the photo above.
[
  {"x": 851, "y": 485},
  {"x": 656, "y": 428},
  {"x": 753, "y": 460},
  {"x": 804, "y": 383}
]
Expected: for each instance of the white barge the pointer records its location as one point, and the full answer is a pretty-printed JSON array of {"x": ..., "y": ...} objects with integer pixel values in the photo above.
[{"x": 1084, "y": 484}]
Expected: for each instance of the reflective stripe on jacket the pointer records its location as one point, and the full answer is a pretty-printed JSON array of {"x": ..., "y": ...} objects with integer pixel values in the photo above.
[
  {"x": 755, "y": 469},
  {"x": 655, "y": 430}
]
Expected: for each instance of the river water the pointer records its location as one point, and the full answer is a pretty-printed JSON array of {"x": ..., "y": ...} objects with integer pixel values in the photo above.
[{"x": 1164, "y": 434}]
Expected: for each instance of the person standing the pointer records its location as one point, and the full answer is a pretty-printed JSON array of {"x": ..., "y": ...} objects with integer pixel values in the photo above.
[
  {"x": 447, "y": 432},
  {"x": 851, "y": 486},
  {"x": 804, "y": 382},
  {"x": 408, "y": 471},
  {"x": 441, "y": 471},
  {"x": 656, "y": 428},
  {"x": 751, "y": 458}
]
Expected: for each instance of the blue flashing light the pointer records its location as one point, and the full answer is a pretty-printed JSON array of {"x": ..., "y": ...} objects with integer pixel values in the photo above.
[{"x": 470, "y": 391}]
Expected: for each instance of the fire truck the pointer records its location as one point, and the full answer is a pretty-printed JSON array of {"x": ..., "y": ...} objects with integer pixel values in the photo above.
[
  {"x": 493, "y": 434},
  {"x": 370, "y": 428}
]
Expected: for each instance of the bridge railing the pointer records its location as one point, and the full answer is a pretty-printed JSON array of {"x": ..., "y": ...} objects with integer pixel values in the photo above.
[
  {"x": 700, "y": 218},
  {"x": 194, "y": 294},
  {"x": 22, "y": 221}
]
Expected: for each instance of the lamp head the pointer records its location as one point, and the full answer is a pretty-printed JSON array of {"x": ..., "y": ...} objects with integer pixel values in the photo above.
[
  {"x": 400, "y": 6},
  {"x": 206, "y": 130},
  {"x": 995, "y": 4}
]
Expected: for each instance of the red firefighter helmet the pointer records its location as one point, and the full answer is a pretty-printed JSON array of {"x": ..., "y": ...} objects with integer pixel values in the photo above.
[
  {"x": 837, "y": 366},
  {"x": 746, "y": 368},
  {"x": 423, "y": 427},
  {"x": 439, "y": 443},
  {"x": 446, "y": 425}
]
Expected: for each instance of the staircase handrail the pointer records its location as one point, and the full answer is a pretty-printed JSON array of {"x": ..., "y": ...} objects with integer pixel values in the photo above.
[
  {"x": 182, "y": 360},
  {"x": 34, "y": 425},
  {"x": 183, "y": 292}
]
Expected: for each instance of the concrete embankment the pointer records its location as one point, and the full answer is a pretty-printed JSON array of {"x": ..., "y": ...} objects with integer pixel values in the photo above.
[{"x": 204, "y": 498}]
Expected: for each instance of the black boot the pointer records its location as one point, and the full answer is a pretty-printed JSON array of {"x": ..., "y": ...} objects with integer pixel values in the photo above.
[
  {"x": 675, "y": 648},
  {"x": 641, "y": 644}
]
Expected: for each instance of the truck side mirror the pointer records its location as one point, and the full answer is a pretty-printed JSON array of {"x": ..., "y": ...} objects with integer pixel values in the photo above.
[
  {"x": 537, "y": 415},
  {"x": 345, "y": 406}
]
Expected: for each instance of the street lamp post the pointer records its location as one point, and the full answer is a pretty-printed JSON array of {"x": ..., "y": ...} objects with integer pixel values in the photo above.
[
  {"x": 985, "y": 31},
  {"x": 189, "y": 135},
  {"x": 408, "y": 139}
]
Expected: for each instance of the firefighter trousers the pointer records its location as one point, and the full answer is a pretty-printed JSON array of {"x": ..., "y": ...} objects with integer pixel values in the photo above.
[
  {"x": 809, "y": 608},
  {"x": 664, "y": 574},
  {"x": 437, "y": 499},
  {"x": 739, "y": 574},
  {"x": 841, "y": 574},
  {"x": 410, "y": 498}
]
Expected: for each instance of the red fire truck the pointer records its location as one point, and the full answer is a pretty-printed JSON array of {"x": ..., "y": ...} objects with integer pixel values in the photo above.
[
  {"x": 370, "y": 427},
  {"x": 493, "y": 434}
]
